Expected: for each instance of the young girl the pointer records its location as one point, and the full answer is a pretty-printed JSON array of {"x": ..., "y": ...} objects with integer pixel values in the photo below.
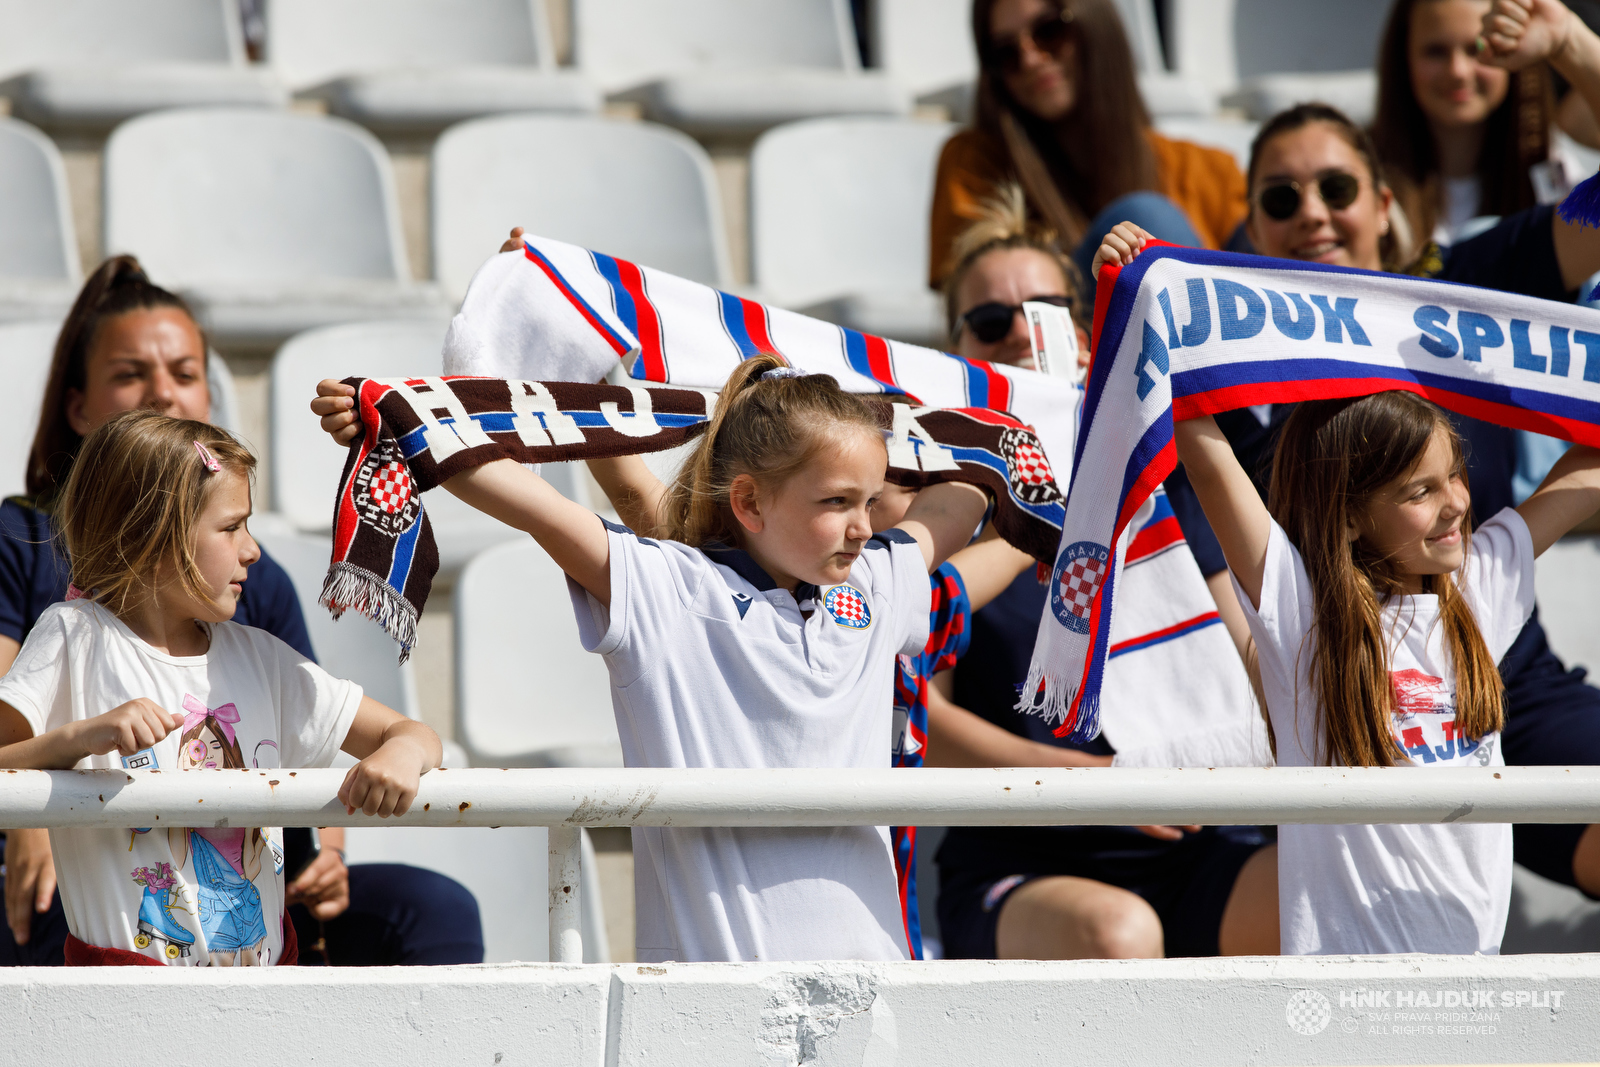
[
  {"x": 145, "y": 671},
  {"x": 759, "y": 631},
  {"x": 1379, "y": 615}
]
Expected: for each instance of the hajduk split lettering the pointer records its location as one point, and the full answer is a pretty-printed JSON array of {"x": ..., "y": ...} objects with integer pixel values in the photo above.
[{"x": 1185, "y": 332}]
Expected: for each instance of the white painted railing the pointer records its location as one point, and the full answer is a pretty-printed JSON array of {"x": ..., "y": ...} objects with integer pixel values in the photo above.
[{"x": 565, "y": 800}]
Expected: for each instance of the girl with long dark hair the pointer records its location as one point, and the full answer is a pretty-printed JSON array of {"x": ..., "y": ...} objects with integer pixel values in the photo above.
[{"x": 1059, "y": 112}]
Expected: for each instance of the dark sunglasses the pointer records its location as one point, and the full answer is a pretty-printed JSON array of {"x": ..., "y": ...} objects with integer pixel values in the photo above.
[
  {"x": 1337, "y": 189},
  {"x": 992, "y": 321},
  {"x": 1048, "y": 34}
]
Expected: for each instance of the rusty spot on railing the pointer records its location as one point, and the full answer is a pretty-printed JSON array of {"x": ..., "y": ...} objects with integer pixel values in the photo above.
[
  {"x": 465, "y": 804},
  {"x": 425, "y": 807},
  {"x": 272, "y": 781}
]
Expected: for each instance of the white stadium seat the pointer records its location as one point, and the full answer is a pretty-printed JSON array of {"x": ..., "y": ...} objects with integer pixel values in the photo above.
[
  {"x": 730, "y": 67},
  {"x": 25, "y": 349},
  {"x": 628, "y": 189},
  {"x": 269, "y": 222},
  {"x": 925, "y": 45},
  {"x": 39, "y": 269},
  {"x": 92, "y": 63},
  {"x": 1266, "y": 55},
  {"x": 420, "y": 65},
  {"x": 527, "y": 694},
  {"x": 306, "y": 465},
  {"x": 839, "y": 222}
]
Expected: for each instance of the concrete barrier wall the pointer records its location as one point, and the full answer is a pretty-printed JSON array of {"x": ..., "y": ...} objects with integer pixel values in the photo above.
[{"x": 1372, "y": 1010}]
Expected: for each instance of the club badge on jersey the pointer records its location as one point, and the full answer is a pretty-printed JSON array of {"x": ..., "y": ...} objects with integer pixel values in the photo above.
[{"x": 847, "y": 606}]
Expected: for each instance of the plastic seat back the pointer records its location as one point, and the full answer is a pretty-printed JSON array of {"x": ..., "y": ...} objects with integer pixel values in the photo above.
[
  {"x": 619, "y": 43},
  {"x": 25, "y": 349},
  {"x": 819, "y": 227},
  {"x": 312, "y": 41},
  {"x": 239, "y": 196},
  {"x": 42, "y": 33},
  {"x": 1307, "y": 36},
  {"x": 306, "y": 464},
  {"x": 925, "y": 44},
  {"x": 36, "y": 210},
  {"x": 634, "y": 190},
  {"x": 526, "y": 691}
]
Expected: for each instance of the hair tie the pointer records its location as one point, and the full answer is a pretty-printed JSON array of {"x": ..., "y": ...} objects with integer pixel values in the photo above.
[
  {"x": 782, "y": 372},
  {"x": 207, "y": 458}
]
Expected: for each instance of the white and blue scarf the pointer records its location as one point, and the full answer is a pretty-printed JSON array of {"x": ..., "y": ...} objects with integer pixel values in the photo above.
[{"x": 1185, "y": 332}]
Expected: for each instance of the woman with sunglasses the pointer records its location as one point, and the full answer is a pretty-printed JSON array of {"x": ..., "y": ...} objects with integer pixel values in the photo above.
[
  {"x": 1458, "y": 135},
  {"x": 1316, "y": 195},
  {"x": 1059, "y": 112},
  {"x": 1063, "y": 892}
]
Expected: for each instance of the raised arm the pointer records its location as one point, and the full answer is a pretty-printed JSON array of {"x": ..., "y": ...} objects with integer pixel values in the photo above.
[
  {"x": 1519, "y": 33},
  {"x": 634, "y": 490},
  {"x": 943, "y": 519},
  {"x": 1569, "y": 494},
  {"x": 1231, "y": 504},
  {"x": 987, "y": 567}
]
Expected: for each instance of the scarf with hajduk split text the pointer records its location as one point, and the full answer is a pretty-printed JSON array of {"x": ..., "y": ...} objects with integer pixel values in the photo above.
[
  {"x": 419, "y": 432},
  {"x": 1185, "y": 332}
]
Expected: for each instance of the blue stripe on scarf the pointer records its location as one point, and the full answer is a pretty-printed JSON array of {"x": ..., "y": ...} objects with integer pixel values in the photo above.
[
  {"x": 620, "y": 297},
  {"x": 733, "y": 321},
  {"x": 405, "y": 548}
]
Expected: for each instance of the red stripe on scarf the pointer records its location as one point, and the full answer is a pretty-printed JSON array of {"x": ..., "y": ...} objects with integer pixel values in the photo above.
[
  {"x": 647, "y": 328},
  {"x": 577, "y": 303},
  {"x": 755, "y": 324}
]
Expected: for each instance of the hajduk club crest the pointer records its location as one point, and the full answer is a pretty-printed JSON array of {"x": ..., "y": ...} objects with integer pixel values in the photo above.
[
  {"x": 1080, "y": 571},
  {"x": 385, "y": 496},
  {"x": 1029, "y": 471},
  {"x": 848, "y": 607}
]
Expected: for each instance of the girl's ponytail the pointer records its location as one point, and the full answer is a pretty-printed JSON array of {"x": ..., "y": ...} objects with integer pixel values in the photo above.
[
  {"x": 116, "y": 286},
  {"x": 766, "y": 427}
]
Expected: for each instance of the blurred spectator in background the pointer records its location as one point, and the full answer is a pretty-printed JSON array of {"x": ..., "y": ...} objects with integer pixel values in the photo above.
[
  {"x": 1459, "y": 138},
  {"x": 1059, "y": 112},
  {"x": 127, "y": 344},
  {"x": 1001, "y": 261}
]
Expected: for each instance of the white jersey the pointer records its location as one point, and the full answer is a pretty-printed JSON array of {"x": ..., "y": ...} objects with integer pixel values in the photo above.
[
  {"x": 1442, "y": 888},
  {"x": 713, "y": 665},
  {"x": 181, "y": 895}
]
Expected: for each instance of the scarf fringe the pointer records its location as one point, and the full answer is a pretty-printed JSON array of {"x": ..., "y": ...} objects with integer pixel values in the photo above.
[
  {"x": 350, "y": 587},
  {"x": 1052, "y": 702}
]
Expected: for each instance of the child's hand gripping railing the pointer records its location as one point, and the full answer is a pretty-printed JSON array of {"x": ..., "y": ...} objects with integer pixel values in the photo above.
[{"x": 565, "y": 800}]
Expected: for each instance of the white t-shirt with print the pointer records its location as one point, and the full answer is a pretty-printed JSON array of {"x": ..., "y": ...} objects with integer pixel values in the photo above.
[
  {"x": 1442, "y": 888},
  {"x": 182, "y": 895},
  {"x": 712, "y": 665}
]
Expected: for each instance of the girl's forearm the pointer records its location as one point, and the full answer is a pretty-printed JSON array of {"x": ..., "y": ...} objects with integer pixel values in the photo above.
[
  {"x": 636, "y": 493},
  {"x": 54, "y": 750},
  {"x": 1578, "y": 60},
  {"x": 943, "y": 519},
  {"x": 419, "y": 734},
  {"x": 960, "y": 738}
]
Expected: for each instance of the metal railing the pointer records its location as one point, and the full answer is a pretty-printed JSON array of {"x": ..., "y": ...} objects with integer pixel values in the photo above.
[{"x": 567, "y": 800}]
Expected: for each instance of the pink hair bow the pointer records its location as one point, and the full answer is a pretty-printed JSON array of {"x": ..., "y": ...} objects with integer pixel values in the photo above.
[{"x": 225, "y": 716}]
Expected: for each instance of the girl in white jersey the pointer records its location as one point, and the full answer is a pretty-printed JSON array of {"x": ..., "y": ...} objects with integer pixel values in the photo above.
[
  {"x": 1379, "y": 615},
  {"x": 145, "y": 671},
  {"x": 760, "y": 632}
]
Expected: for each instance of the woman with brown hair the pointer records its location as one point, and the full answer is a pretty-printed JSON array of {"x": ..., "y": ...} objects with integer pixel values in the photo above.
[
  {"x": 1059, "y": 112},
  {"x": 1460, "y": 137}
]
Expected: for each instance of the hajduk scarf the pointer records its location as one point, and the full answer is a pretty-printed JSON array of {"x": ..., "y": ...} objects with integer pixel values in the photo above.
[
  {"x": 554, "y": 311},
  {"x": 419, "y": 432},
  {"x": 1184, "y": 332}
]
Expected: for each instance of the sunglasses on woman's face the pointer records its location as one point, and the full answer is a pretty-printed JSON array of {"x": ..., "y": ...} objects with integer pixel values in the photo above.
[
  {"x": 992, "y": 321},
  {"x": 1048, "y": 34},
  {"x": 1337, "y": 189}
]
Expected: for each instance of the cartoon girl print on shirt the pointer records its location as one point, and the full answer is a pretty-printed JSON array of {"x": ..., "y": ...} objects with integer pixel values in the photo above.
[{"x": 226, "y": 861}]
